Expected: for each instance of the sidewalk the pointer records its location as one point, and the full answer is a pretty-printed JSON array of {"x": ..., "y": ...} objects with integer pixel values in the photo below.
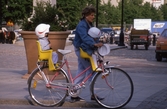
[
  {"x": 15, "y": 91},
  {"x": 150, "y": 89}
]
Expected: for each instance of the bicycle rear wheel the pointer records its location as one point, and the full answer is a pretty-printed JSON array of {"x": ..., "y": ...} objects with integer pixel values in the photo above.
[
  {"x": 115, "y": 87},
  {"x": 47, "y": 95}
]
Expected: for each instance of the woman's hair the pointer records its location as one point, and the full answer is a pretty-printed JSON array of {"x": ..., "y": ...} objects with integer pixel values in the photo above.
[{"x": 87, "y": 11}]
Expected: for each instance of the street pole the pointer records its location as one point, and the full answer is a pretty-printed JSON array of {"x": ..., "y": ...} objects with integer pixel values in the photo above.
[
  {"x": 121, "y": 37},
  {"x": 97, "y": 13}
]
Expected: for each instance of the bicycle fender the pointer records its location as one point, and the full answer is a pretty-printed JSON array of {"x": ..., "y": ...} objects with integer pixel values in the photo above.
[
  {"x": 65, "y": 74},
  {"x": 111, "y": 66}
]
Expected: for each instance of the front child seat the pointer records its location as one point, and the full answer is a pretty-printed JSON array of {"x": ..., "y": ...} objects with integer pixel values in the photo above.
[{"x": 83, "y": 54}]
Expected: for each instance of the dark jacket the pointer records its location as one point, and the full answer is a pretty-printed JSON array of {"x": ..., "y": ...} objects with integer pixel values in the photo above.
[{"x": 82, "y": 39}]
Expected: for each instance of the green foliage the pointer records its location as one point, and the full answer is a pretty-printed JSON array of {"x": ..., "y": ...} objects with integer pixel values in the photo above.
[
  {"x": 44, "y": 12},
  {"x": 69, "y": 12},
  {"x": 134, "y": 9},
  {"x": 16, "y": 10},
  {"x": 109, "y": 13},
  {"x": 163, "y": 9}
]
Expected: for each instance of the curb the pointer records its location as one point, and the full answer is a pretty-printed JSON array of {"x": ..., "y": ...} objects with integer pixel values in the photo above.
[
  {"x": 80, "y": 104},
  {"x": 114, "y": 47}
]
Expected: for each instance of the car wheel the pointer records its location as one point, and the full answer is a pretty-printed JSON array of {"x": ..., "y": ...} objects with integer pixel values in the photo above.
[
  {"x": 116, "y": 42},
  {"x": 131, "y": 46},
  {"x": 146, "y": 47},
  {"x": 111, "y": 40},
  {"x": 158, "y": 57}
]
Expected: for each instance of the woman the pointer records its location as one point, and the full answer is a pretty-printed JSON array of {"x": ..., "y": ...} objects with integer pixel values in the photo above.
[{"x": 87, "y": 43}]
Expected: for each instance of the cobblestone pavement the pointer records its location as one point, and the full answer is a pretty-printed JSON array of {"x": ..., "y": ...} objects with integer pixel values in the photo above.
[
  {"x": 139, "y": 53},
  {"x": 13, "y": 56},
  {"x": 156, "y": 101}
]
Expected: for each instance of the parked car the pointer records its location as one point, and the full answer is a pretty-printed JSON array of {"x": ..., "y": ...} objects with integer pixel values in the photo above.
[
  {"x": 110, "y": 32},
  {"x": 116, "y": 36},
  {"x": 71, "y": 36},
  {"x": 161, "y": 46}
]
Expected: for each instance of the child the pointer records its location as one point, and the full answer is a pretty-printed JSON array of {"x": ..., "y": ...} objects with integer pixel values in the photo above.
[
  {"x": 95, "y": 33},
  {"x": 42, "y": 31}
]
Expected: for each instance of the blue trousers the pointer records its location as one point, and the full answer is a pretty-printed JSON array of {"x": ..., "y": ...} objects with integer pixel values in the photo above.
[{"x": 82, "y": 65}]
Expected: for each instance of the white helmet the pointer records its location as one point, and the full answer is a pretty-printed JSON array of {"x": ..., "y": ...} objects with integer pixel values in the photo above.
[
  {"x": 94, "y": 32},
  {"x": 41, "y": 30}
]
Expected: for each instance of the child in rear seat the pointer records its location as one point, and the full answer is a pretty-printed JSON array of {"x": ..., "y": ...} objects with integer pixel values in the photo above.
[{"x": 42, "y": 31}]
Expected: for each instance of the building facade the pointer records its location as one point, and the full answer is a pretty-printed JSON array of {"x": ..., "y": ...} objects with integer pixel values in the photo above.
[{"x": 155, "y": 3}]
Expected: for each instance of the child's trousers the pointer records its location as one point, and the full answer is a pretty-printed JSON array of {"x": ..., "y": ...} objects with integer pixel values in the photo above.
[{"x": 54, "y": 57}]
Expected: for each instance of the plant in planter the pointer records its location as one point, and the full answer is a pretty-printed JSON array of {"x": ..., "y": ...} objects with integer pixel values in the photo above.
[
  {"x": 44, "y": 12},
  {"x": 47, "y": 13}
]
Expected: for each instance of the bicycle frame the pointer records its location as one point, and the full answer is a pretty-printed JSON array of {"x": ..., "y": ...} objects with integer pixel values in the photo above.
[
  {"x": 69, "y": 74},
  {"x": 57, "y": 84},
  {"x": 72, "y": 79}
]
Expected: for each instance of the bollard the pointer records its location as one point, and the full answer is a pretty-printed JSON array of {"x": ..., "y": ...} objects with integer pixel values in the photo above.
[{"x": 154, "y": 39}]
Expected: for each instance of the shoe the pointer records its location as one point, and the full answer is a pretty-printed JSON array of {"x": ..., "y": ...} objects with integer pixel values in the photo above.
[
  {"x": 98, "y": 70},
  {"x": 75, "y": 99},
  {"x": 56, "y": 65},
  {"x": 99, "y": 98}
]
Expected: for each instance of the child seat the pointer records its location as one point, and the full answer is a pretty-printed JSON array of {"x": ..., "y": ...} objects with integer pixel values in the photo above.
[
  {"x": 45, "y": 55},
  {"x": 83, "y": 54}
]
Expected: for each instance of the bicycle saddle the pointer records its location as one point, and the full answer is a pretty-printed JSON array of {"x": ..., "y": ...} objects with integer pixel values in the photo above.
[{"x": 64, "y": 52}]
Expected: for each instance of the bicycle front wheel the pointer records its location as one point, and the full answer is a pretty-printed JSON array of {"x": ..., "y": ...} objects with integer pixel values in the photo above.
[
  {"x": 47, "y": 94},
  {"x": 115, "y": 86}
]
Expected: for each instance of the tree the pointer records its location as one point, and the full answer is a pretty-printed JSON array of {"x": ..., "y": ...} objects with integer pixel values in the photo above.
[
  {"x": 131, "y": 10},
  {"x": 109, "y": 14},
  {"x": 134, "y": 9},
  {"x": 16, "y": 10},
  {"x": 72, "y": 9},
  {"x": 163, "y": 9},
  {"x": 147, "y": 10},
  {"x": 156, "y": 14},
  {"x": 44, "y": 12}
]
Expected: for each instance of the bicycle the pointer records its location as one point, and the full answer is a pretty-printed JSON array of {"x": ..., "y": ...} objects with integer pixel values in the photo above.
[{"x": 50, "y": 88}]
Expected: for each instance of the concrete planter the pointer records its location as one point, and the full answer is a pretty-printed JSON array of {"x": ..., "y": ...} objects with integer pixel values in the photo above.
[{"x": 57, "y": 39}]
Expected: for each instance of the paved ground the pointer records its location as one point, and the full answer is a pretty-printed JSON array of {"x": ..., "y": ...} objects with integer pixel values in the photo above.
[{"x": 148, "y": 75}]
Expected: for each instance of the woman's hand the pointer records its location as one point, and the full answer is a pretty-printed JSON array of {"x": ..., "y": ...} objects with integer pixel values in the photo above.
[{"x": 98, "y": 44}]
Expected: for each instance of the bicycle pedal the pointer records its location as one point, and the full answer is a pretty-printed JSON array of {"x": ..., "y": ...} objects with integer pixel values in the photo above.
[{"x": 83, "y": 86}]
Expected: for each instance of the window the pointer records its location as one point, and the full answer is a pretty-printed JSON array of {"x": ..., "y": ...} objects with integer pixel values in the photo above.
[
  {"x": 164, "y": 33},
  {"x": 156, "y": 1}
]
